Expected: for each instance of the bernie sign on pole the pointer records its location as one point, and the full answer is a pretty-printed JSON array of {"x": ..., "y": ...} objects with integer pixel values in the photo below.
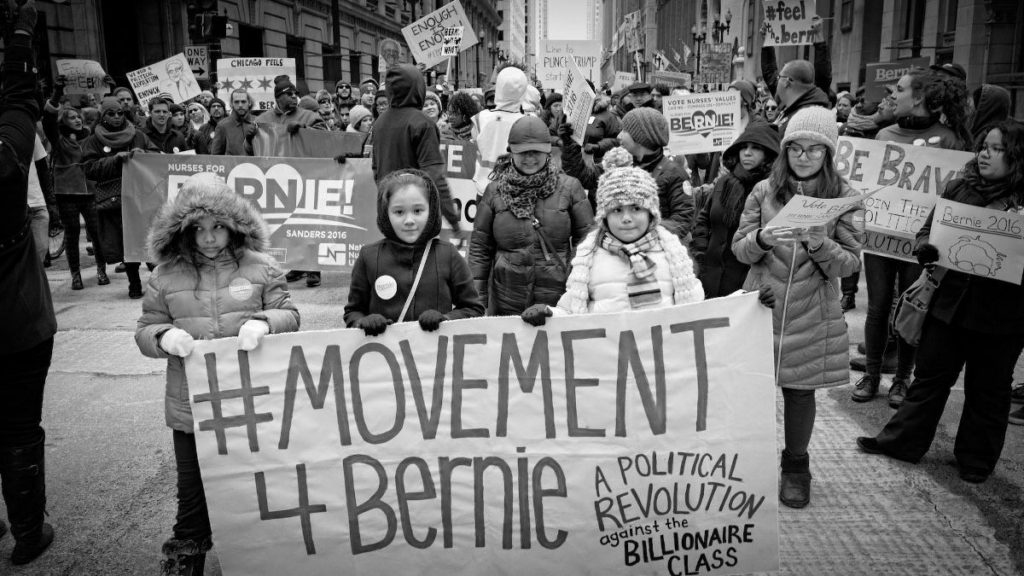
[
  {"x": 426, "y": 36},
  {"x": 878, "y": 75},
  {"x": 637, "y": 443},
  {"x": 172, "y": 76},
  {"x": 700, "y": 123},
  {"x": 790, "y": 22}
]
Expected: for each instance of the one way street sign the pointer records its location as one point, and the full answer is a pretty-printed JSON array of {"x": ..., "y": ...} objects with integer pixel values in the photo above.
[{"x": 199, "y": 60}]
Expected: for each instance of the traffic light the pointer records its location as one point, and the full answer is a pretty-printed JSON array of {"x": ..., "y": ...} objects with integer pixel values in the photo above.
[{"x": 203, "y": 20}]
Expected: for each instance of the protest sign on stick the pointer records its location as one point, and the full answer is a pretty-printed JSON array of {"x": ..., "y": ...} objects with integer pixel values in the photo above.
[
  {"x": 426, "y": 38},
  {"x": 623, "y": 80},
  {"x": 578, "y": 101},
  {"x": 908, "y": 179},
  {"x": 979, "y": 241},
  {"x": 638, "y": 443},
  {"x": 553, "y": 61},
  {"x": 698, "y": 123},
  {"x": 83, "y": 77},
  {"x": 255, "y": 76},
  {"x": 878, "y": 75},
  {"x": 172, "y": 76},
  {"x": 452, "y": 40},
  {"x": 790, "y": 23},
  {"x": 805, "y": 211}
]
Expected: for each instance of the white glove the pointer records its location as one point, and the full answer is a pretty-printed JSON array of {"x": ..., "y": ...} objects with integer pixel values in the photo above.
[
  {"x": 251, "y": 334},
  {"x": 177, "y": 342}
]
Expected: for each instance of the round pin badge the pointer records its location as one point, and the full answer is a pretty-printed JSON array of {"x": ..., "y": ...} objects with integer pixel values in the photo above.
[
  {"x": 386, "y": 287},
  {"x": 106, "y": 149},
  {"x": 240, "y": 289}
]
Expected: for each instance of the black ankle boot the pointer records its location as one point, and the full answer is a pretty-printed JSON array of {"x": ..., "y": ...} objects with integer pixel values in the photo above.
[
  {"x": 795, "y": 484},
  {"x": 24, "y": 489},
  {"x": 76, "y": 280},
  {"x": 184, "y": 557},
  {"x": 101, "y": 275}
]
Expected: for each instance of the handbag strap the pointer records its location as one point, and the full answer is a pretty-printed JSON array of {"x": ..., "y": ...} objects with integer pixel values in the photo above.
[
  {"x": 815, "y": 262},
  {"x": 547, "y": 244},
  {"x": 416, "y": 281}
]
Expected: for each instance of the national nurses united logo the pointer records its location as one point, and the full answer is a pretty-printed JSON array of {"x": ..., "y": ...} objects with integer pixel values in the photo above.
[{"x": 332, "y": 254}]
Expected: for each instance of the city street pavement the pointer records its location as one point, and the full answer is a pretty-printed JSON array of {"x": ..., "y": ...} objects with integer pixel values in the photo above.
[{"x": 110, "y": 466}]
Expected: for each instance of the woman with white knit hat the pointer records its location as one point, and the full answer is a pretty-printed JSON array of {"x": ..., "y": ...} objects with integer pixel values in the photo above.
[
  {"x": 629, "y": 261},
  {"x": 802, "y": 266}
]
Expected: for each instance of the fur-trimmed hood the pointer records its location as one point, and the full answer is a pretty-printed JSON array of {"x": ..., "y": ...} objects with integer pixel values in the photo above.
[{"x": 205, "y": 195}]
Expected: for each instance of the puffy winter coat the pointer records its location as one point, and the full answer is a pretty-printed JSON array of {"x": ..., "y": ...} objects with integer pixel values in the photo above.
[
  {"x": 216, "y": 296},
  {"x": 507, "y": 254},
  {"x": 815, "y": 345}
]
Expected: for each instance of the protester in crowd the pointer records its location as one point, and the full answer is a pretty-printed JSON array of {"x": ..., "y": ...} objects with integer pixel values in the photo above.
[
  {"x": 644, "y": 134},
  {"x": 90, "y": 117},
  {"x": 974, "y": 326},
  {"x": 602, "y": 130},
  {"x": 479, "y": 99},
  {"x": 158, "y": 128},
  {"x": 431, "y": 280},
  {"x": 796, "y": 90},
  {"x": 205, "y": 98},
  {"x": 26, "y": 340},
  {"x": 206, "y": 229},
  {"x": 177, "y": 121},
  {"x": 308, "y": 102},
  {"x": 381, "y": 102},
  {"x": 367, "y": 92},
  {"x": 771, "y": 110},
  {"x": 217, "y": 110},
  {"x": 127, "y": 99},
  {"x": 491, "y": 127},
  {"x": 801, "y": 266},
  {"x": 360, "y": 120},
  {"x": 341, "y": 117},
  {"x": 748, "y": 97},
  {"x": 114, "y": 141},
  {"x": 42, "y": 205},
  {"x": 531, "y": 101},
  {"x": 552, "y": 115},
  {"x": 432, "y": 107},
  {"x": 844, "y": 105},
  {"x": 640, "y": 95},
  {"x": 461, "y": 110},
  {"x": 749, "y": 160},
  {"x": 624, "y": 104},
  {"x": 490, "y": 99},
  {"x": 922, "y": 98},
  {"x": 991, "y": 106},
  {"x": 659, "y": 91},
  {"x": 867, "y": 118},
  {"x": 343, "y": 95},
  {"x": 64, "y": 129},
  {"x": 200, "y": 129},
  {"x": 628, "y": 261},
  {"x": 233, "y": 135},
  {"x": 528, "y": 221},
  {"x": 287, "y": 111},
  {"x": 706, "y": 168}
]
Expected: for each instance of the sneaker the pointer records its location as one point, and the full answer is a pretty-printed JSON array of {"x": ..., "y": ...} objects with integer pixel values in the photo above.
[
  {"x": 1017, "y": 395},
  {"x": 897, "y": 392},
  {"x": 1017, "y": 417},
  {"x": 848, "y": 302},
  {"x": 865, "y": 389},
  {"x": 860, "y": 364},
  {"x": 294, "y": 275},
  {"x": 312, "y": 279}
]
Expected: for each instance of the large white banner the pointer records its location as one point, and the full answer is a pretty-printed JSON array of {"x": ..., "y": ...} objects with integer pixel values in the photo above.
[
  {"x": 172, "y": 76},
  {"x": 979, "y": 241},
  {"x": 638, "y": 443},
  {"x": 255, "y": 76},
  {"x": 553, "y": 61},
  {"x": 908, "y": 180},
  {"x": 698, "y": 123},
  {"x": 426, "y": 36}
]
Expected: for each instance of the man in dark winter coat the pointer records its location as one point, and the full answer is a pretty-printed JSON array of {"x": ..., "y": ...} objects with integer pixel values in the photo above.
[
  {"x": 287, "y": 110},
  {"x": 644, "y": 134},
  {"x": 404, "y": 137},
  {"x": 158, "y": 128},
  {"x": 233, "y": 135},
  {"x": 796, "y": 90},
  {"x": 602, "y": 130}
]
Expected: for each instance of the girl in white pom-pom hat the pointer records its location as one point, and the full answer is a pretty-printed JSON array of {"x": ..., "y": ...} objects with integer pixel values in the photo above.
[{"x": 629, "y": 261}]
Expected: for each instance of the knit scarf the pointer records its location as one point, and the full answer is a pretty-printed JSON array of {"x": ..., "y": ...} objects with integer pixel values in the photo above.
[
  {"x": 635, "y": 252},
  {"x": 990, "y": 190},
  {"x": 464, "y": 132},
  {"x": 522, "y": 191},
  {"x": 115, "y": 138}
]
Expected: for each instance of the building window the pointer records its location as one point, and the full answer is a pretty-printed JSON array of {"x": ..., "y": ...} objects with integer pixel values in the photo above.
[
  {"x": 295, "y": 48},
  {"x": 250, "y": 41},
  {"x": 353, "y": 67},
  {"x": 846, "y": 16},
  {"x": 752, "y": 11}
]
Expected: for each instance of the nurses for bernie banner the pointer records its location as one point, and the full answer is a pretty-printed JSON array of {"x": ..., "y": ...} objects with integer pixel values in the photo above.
[
  {"x": 636, "y": 443},
  {"x": 906, "y": 181}
]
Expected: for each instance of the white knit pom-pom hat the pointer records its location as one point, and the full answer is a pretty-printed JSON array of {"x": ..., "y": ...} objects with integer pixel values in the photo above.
[{"x": 622, "y": 184}]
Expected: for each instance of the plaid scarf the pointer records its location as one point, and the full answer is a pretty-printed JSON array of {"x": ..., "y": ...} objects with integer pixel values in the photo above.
[
  {"x": 521, "y": 191},
  {"x": 642, "y": 286}
]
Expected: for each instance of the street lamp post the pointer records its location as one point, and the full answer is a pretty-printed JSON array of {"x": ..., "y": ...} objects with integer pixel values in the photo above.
[
  {"x": 478, "y": 82},
  {"x": 720, "y": 29},
  {"x": 699, "y": 35}
]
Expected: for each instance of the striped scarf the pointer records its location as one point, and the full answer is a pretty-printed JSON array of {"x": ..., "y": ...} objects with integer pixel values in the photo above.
[{"x": 635, "y": 252}]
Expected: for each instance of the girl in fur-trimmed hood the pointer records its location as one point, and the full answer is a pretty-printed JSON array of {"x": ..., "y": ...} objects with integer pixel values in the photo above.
[{"x": 213, "y": 280}]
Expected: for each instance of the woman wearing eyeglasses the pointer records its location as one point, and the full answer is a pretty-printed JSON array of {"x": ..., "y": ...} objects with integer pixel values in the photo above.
[
  {"x": 114, "y": 141},
  {"x": 921, "y": 99},
  {"x": 812, "y": 346}
]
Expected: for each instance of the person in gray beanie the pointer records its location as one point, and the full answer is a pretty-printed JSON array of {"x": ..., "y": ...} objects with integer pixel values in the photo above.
[{"x": 644, "y": 135}]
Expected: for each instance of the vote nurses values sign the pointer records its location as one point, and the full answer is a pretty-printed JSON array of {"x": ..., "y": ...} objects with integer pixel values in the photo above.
[{"x": 697, "y": 123}]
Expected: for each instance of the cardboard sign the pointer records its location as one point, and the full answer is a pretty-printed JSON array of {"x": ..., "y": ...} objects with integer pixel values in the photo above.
[
  {"x": 425, "y": 36},
  {"x": 452, "y": 39},
  {"x": 553, "y": 61},
  {"x": 578, "y": 102},
  {"x": 83, "y": 77},
  {"x": 908, "y": 180},
  {"x": 715, "y": 64},
  {"x": 320, "y": 213},
  {"x": 172, "y": 76},
  {"x": 254, "y": 75},
  {"x": 979, "y": 241},
  {"x": 623, "y": 80},
  {"x": 878, "y": 75},
  {"x": 683, "y": 79},
  {"x": 806, "y": 211},
  {"x": 635, "y": 443},
  {"x": 700, "y": 123},
  {"x": 199, "y": 60},
  {"x": 790, "y": 22}
]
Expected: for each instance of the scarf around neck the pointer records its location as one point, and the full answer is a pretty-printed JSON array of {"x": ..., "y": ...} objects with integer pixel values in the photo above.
[
  {"x": 522, "y": 191},
  {"x": 115, "y": 138},
  {"x": 635, "y": 252},
  {"x": 990, "y": 190}
]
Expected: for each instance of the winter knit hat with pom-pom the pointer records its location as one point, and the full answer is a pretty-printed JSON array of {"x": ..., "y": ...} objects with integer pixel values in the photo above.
[
  {"x": 622, "y": 184},
  {"x": 647, "y": 127},
  {"x": 814, "y": 123}
]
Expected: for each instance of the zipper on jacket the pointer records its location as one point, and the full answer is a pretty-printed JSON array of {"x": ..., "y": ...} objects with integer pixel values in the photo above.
[
  {"x": 543, "y": 247},
  {"x": 213, "y": 301}
]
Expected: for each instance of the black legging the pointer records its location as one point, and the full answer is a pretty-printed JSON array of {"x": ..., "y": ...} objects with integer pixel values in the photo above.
[
  {"x": 70, "y": 207},
  {"x": 21, "y": 394}
]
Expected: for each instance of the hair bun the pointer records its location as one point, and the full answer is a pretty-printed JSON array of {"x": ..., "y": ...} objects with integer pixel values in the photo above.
[{"x": 617, "y": 158}]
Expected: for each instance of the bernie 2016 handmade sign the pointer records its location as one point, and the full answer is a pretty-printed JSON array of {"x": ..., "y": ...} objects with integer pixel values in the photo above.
[
  {"x": 702, "y": 122},
  {"x": 790, "y": 22},
  {"x": 637, "y": 443},
  {"x": 907, "y": 178},
  {"x": 979, "y": 241},
  {"x": 426, "y": 37}
]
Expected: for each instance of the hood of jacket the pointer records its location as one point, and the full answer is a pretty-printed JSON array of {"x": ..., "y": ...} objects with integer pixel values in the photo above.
[
  {"x": 760, "y": 133},
  {"x": 433, "y": 226},
  {"x": 992, "y": 107},
  {"x": 177, "y": 217},
  {"x": 406, "y": 87},
  {"x": 509, "y": 88}
]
